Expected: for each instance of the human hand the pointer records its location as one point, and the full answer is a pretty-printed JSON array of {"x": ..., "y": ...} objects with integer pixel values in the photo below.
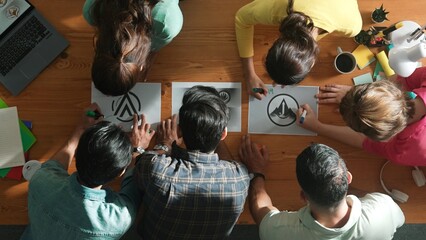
[
  {"x": 311, "y": 121},
  {"x": 253, "y": 82},
  {"x": 86, "y": 120},
  {"x": 332, "y": 93},
  {"x": 141, "y": 135},
  {"x": 256, "y": 159},
  {"x": 167, "y": 132}
]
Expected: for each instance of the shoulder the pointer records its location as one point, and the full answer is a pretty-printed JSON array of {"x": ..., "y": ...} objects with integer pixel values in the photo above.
[
  {"x": 380, "y": 207},
  {"x": 235, "y": 169},
  {"x": 276, "y": 224},
  {"x": 87, "y": 11},
  {"x": 377, "y": 199},
  {"x": 50, "y": 169}
]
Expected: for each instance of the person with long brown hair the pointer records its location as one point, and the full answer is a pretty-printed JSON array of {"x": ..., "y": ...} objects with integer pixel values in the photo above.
[
  {"x": 128, "y": 34},
  {"x": 294, "y": 53}
]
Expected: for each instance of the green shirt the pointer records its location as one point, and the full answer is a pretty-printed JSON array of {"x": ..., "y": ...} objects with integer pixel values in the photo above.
[
  {"x": 59, "y": 207},
  {"x": 167, "y": 21}
]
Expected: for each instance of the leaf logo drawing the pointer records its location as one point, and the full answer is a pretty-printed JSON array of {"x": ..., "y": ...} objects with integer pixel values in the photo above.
[{"x": 124, "y": 107}]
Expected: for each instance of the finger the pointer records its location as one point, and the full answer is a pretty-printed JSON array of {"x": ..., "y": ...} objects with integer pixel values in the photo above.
[
  {"x": 163, "y": 126},
  {"x": 326, "y": 95},
  {"x": 307, "y": 107},
  {"x": 254, "y": 149},
  {"x": 240, "y": 150},
  {"x": 248, "y": 145},
  {"x": 92, "y": 106},
  {"x": 168, "y": 124},
  {"x": 174, "y": 122},
  {"x": 258, "y": 96},
  {"x": 327, "y": 100},
  {"x": 143, "y": 120},
  {"x": 147, "y": 127},
  {"x": 151, "y": 132},
  {"x": 265, "y": 152},
  {"x": 243, "y": 148},
  {"x": 299, "y": 111},
  {"x": 135, "y": 122},
  {"x": 329, "y": 88}
]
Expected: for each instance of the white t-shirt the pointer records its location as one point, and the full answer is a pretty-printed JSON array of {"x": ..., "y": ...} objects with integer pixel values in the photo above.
[{"x": 375, "y": 216}]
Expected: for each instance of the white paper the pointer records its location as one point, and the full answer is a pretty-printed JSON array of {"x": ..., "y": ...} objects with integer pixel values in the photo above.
[
  {"x": 143, "y": 98},
  {"x": 11, "y": 150},
  {"x": 276, "y": 113},
  {"x": 231, "y": 92}
]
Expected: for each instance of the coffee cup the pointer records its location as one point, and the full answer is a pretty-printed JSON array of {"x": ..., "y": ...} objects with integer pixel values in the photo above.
[{"x": 344, "y": 62}]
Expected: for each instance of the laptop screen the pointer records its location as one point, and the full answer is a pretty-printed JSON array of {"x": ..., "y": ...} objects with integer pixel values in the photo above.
[{"x": 10, "y": 12}]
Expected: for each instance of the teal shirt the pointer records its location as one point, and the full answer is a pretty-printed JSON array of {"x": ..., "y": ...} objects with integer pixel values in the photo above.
[
  {"x": 167, "y": 21},
  {"x": 60, "y": 208}
]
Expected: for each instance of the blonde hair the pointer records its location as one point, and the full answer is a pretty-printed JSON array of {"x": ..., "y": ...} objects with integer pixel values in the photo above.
[{"x": 379, "y": 110}]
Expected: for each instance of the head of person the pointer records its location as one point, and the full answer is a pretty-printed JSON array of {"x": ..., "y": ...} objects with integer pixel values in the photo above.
[
  {"x": 322, "y": 175},
  {"x": 293, "y": 54},
  {"x": 203, "y": 119},
  {"x": 103, "y": 153},
  {"x": 379, "y": 110},
  {"x": 122, "y": 46}
]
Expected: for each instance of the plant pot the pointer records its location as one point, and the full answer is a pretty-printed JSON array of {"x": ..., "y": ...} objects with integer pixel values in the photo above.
[{"x": 379, "y": 15}]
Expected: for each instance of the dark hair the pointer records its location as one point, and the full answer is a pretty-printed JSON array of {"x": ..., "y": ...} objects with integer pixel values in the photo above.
[
  {"x": 123, "y": 44},
  {"x": 103, "y": 152},
  {"x": 202, "y": 118},
  {"x": 293, "y": 54},
  {"x": 380, "y": 110},
  {"x": 322, "y": 174}
]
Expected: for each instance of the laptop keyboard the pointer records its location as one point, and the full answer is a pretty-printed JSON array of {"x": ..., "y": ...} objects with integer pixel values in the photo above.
[{"x": 21, "y": 43}]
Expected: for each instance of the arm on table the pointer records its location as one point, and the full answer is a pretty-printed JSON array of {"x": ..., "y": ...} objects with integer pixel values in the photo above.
[
  {"x": 65, "y": 155},
  {"x": 256, "y": 161},
  {"x": 342, "y": 134},
  {"x": 252, "y": 80}
]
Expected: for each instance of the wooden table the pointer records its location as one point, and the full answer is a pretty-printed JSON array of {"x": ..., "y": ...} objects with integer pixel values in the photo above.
[{"x": 205, "y": 51}]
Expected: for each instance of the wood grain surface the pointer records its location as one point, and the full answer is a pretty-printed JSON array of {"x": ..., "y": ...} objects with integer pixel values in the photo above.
[{"x": 205, "y": 51}]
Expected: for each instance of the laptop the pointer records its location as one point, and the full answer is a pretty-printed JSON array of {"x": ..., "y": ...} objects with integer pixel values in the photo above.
[{"x": 28, "y": 44}]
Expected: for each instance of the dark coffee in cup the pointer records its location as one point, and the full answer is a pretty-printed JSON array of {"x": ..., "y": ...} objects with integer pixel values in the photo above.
[{"x": 344, "y": 62}]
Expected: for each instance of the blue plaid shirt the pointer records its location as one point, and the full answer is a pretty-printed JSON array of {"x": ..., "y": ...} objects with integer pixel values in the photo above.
[{"x": 190, "y": 195}]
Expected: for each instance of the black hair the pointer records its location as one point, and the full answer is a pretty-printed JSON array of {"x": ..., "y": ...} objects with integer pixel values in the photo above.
[
  {"x": 103, "y": 152},
  {"x": 322, "y": 174},
  {"x": 202, "y": 118},
  {"x": 293, "y": 54}
]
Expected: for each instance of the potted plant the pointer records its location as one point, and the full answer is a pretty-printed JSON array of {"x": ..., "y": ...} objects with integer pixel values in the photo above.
[
  {"x": 363, "y": 37},
  {"x": 379, "y": 15}
]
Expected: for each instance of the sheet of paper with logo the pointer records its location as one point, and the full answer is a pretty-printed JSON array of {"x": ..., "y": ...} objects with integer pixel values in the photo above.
[
  {"x": 143, "y": 98},
  {"x": 276, "y": 113},
  {"x": 229, "y": 91},
  {"x": 11, "y": 150}
]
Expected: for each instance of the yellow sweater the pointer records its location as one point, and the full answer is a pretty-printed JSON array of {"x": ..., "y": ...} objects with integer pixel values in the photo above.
[{"x": 340, "y": 17}]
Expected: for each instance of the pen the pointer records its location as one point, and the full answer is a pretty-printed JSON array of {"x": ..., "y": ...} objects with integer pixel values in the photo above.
[
  {"x": 302, "y": 116},
  {"x": 259, "y": 90},
  {"x": 389, "y": 30},
  {"x": 94, "y": 114}
]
